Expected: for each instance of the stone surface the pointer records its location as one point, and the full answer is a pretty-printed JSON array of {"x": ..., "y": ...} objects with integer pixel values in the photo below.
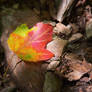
[
  {"x": 52, "y": 83},
  {"x": 89, "y": 29}
]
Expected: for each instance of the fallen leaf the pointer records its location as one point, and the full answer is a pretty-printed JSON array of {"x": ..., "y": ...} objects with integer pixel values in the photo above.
[{"x": 30, "y": 44}]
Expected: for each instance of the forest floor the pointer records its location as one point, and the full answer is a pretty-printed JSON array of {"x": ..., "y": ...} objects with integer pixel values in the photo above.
[{"x": 79, "y": 47}]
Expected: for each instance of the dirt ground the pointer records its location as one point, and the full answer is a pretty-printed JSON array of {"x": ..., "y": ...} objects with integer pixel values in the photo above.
[{"x": 75, "y": 67}]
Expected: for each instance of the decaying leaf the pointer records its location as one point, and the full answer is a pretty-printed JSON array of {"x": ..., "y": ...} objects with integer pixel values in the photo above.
[
  {"x": 53, "y": 65},
  {"x": 74, "y": 68},
  {"x": 75, "y": 37},
  {"x": 56, "y": 46},
  {"x": 62, "y": 29}
]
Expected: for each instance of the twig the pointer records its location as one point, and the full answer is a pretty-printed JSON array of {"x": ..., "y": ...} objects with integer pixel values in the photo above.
[{"x": 16, "y": 66}]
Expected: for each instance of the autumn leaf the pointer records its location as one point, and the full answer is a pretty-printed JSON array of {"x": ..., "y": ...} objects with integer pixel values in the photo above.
[{"x": 30, "y": 44}]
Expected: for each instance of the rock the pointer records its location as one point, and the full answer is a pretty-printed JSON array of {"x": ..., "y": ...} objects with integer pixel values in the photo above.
[
  {"x": 56, "y": 46},
  {"x": 53, "y": 65},
  {"x": 52, "y": 83},
  {"x": 61, "y": 28},
  {"x": 89, "y": 29},
  {"x": 75, "y": 37}
]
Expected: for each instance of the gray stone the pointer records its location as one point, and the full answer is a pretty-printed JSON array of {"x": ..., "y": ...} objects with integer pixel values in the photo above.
[
  {"x": 52, "y": 83},
  {"x": 89, "y": 29}
]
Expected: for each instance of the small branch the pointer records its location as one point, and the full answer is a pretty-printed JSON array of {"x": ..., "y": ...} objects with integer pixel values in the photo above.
[{"x": 16, "y": 66}]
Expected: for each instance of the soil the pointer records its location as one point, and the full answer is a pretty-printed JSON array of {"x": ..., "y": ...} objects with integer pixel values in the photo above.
[{"x": 75, "y": 68}]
